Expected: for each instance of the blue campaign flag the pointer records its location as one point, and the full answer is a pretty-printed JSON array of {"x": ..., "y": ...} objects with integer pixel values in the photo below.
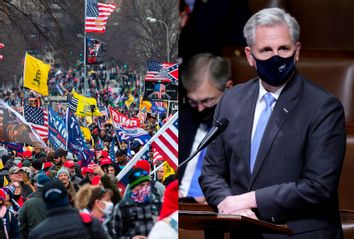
[
  {"x": 111, "y": 150},
  {"x": 76, "y": 143},
  {"x": 157, "y": 107},
  {"x": 57, "y": 131},
  {"x": 128, "y": 134},
  {"x": 99, "y": 144},
  {"x": 18, "y": 147}
]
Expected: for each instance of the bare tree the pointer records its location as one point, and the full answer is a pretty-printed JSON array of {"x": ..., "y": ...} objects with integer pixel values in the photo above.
[
  {"x": 56, "y": 27},
  {"x": 38, "y": 26},
  {"x": 136, "y": 39}
]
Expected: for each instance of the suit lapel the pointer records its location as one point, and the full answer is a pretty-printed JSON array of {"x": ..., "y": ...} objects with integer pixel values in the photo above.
[
  {"x": 285, "y": 103},
  {"x": 245, "y": 123}
]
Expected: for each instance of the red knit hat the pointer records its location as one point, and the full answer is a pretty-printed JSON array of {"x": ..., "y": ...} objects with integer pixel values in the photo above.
[
  {"x": 170, "y": 203},
  {"x": 144, "y": 165}
]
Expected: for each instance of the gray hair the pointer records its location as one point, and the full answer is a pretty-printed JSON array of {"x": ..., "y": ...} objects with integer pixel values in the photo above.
[
  {"x": 270, "y": 17},
  {"x": 205, "y": 66}
]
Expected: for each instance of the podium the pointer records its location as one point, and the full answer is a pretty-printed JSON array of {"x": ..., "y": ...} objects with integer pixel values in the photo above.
[{"x": 199, "y": 217}]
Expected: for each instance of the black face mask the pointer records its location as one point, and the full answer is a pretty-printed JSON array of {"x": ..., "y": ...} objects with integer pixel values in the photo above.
[
  {"x": 205, "y": 116},
  {"x": 276, "y": 70}
]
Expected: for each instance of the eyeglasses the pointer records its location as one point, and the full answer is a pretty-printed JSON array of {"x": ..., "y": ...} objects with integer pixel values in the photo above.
[
  {"x": 139, "y": 173},
  {"x": 206, "y": 102}
]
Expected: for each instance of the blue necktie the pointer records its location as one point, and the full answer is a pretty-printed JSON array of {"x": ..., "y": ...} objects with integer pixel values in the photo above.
[
  {"x": 261, "y": 125},
  {"x": 194, "y": 189}
]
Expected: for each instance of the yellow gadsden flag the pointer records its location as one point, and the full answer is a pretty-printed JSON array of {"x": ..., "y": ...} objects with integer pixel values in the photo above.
[
  {"x": 86, "y": 132},
  {"x": 145, "y": 104},
  {"x": 129, "y": 101},
  {"x": 35, "y": 75},
  {"x": 168, "y": 170},
  {"x": 84, "y": 105}
]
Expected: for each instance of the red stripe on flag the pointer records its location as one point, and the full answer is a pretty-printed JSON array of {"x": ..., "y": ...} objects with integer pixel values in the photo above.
[{"x": 165, "y": 155}]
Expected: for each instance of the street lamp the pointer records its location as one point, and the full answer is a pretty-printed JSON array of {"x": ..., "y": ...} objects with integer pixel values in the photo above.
[{"x": 151, "y": 19}]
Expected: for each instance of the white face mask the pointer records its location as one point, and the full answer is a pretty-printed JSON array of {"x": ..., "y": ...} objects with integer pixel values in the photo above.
[{"x": 108, "y": 209}]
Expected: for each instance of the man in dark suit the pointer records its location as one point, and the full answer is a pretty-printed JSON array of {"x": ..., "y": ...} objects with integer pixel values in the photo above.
[
  {"x": 298, "y": 130},
  {"x": 205, "y": 77}
]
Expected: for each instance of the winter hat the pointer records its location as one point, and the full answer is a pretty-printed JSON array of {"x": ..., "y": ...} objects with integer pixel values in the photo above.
[
  {"x": 27, "y": 154},
  {"x": 26, "y": 163},
  {"x": 63, "y": 170},
  {"x": 70, "y": 156},
  {"x": 89, "y": 168},
  {"x": 69, "y": 164},
  {"x": 14, "y": 169},
  {"x": 104, "y": 154},
  {"x": 37, "y": 164},
  {"x": 9, "y": 190},
  {"x": 144, "y": 165},
  {"x": 3, "y": 151},
  {"x": 47, "y": 165},
  {"x": 2, "y": 195},
  {"x": 105, "y": 161},
  {"x": 41, "y": 179},
  {"x": 137, "y": 176},
  {"x": 17, "y": 160},
  {"x": 170, "y": 202},
  {"x": 55, "y": 194}
]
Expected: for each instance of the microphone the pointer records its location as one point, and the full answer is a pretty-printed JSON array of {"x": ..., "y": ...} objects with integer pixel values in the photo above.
[{"x": 218, "y": 127}]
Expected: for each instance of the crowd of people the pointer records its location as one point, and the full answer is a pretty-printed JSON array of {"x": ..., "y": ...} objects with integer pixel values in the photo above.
[
  {"x": 42, "y": 187},
  {"x": 51, "y": 194}
]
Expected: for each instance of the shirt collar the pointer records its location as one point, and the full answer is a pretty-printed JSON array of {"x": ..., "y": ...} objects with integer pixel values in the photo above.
[{"x": 262, "y": 91}]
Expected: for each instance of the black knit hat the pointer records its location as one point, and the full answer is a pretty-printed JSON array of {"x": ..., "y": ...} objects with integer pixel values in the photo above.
[
  {"x": 138, "y": 176},
  {"x": 37, "y": 164},
  {"x": 55, "y": 194}
]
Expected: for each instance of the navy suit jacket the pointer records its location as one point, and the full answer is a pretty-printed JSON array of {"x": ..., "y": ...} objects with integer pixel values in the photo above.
[{"x": 299, "y": 161}]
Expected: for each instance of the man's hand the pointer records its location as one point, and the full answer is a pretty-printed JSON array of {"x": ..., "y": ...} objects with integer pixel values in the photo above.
[
  {"x": 98, "y": 170},
  {"x": 238, "y": 203},
  {"x": 246, "y": 213},
  {"x": 139, "y": 237}
]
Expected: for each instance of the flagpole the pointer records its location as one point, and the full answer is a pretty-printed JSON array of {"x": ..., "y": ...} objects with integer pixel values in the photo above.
[
  {"x": 141, "y": 152},
  {"x": 156, "y": 168},
  {"x": 85, "y": 42}
]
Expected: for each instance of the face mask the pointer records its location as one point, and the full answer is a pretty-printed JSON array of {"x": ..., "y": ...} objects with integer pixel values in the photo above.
[
  {"x": 141, "y": 195},
  {"x": 276, "y": 70},
  {"x": 107, "y": 211},
  {"x": 205, "y": 116}
]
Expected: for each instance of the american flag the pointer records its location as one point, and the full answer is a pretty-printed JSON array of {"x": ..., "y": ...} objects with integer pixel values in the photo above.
[
  {"x": 160, "y": 90},
  {"x": 38, "y": 119},
  {"x": 72, "y": 102},
  {"x": 166, "y": 141},
  {"x": 156, "y": 156},
  {"x": 159, "y": 103},
  {"x": 142, "y": 116},
  {"x": 163, "y": 72},
  {"x": 97, "y": 15}
]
